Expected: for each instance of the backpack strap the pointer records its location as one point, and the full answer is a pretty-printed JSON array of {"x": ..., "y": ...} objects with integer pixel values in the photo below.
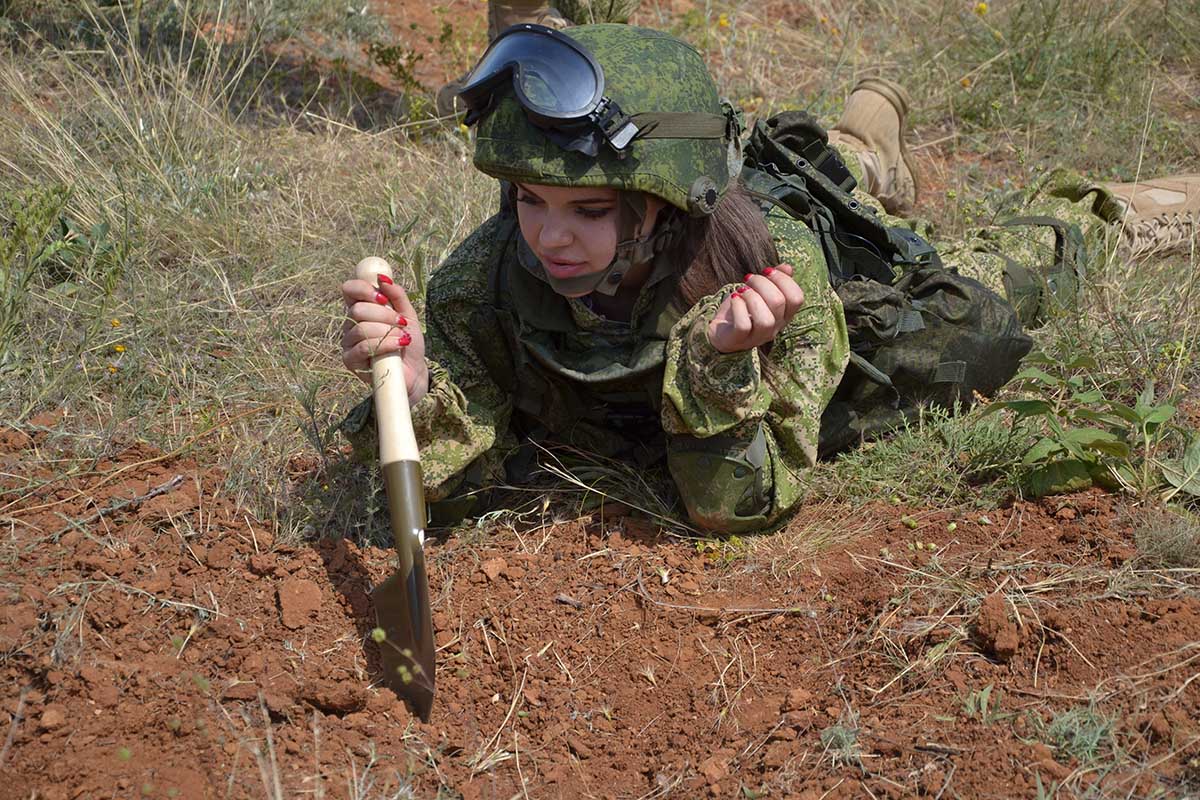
[
  {"x": 856, "y": 242},
  {"x": 1030, "y": 291}
]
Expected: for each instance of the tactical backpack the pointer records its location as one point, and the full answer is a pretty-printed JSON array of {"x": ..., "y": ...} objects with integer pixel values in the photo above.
[{"x": 920, "y": 335}]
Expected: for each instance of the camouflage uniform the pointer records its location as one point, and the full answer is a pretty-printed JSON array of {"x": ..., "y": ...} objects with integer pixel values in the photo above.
[
  {"x": 1049, "y": 232},
  {"x": 1035, "y": 251},
  {"x": 535, "y": 364},
  {"x": 510, "y": 359}
]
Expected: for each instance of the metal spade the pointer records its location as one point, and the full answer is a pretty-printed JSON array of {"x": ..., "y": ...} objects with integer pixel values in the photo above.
[{"x": 405, "y": 624}]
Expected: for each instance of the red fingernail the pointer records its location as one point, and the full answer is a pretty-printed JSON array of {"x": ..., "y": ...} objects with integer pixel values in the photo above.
[
  {"x": 405, "y": 340},
  {"x": 384, "y": 279},
  {"x": 379, "y": 298},
  {"x": 768, "y": 270},
  {"x": 747, "y": 277},
  {"x": 401, "y": 321},
  {"x": 740, "y": 289}
]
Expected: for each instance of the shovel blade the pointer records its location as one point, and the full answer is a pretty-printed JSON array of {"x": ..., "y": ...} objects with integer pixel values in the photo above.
[
  {"x": 402, "y": 611},
  {"x": 402, "y": 606}
]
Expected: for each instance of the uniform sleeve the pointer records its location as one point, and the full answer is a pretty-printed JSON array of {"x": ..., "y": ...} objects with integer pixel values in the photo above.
[
  {"x": 742, "y": 427},
  {"x": 459, "y": 422}
]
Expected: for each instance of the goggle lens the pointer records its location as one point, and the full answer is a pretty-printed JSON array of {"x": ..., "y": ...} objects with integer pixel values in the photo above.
[{"x": 553, "y": 78}]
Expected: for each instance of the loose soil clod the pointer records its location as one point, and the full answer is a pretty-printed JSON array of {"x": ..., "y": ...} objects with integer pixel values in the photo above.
[{"x": 997, "y": 633}]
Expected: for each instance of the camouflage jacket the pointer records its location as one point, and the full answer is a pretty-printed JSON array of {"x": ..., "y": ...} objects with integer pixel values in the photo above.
[{"x": 510, "y": 359}]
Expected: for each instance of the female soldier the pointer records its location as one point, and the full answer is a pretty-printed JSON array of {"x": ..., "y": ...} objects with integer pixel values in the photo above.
[{"x": 636, "y": 303}]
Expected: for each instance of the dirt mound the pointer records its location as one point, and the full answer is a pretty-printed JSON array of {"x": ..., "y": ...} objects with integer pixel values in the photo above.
[
  {"x": 157, "y": 642},
  {"x": 996, "y": 632}
]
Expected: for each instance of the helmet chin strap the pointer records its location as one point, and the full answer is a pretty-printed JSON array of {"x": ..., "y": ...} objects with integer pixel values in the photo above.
[{"x": 631, "y": 251}]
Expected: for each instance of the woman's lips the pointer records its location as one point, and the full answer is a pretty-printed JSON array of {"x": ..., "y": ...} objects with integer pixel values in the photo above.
[{"x": 564, "y": 269}]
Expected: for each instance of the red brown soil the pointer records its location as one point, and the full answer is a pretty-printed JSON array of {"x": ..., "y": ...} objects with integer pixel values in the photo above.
[{"x": 172, "y": 648}]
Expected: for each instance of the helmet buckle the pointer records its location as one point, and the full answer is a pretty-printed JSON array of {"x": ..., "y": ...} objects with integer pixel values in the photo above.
[{"x": 616, "y": 126}]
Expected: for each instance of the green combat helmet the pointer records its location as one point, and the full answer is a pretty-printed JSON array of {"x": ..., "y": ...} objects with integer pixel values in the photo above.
[{"x": 613, "y": 106}]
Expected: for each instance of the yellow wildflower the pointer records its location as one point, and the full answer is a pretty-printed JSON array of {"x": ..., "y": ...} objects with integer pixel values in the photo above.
[
  {"x": 966, "y": 82},
  {"x": 981, "y": 8},
  {"x": 112, "y": 367},
  {"x": 120, "y": 348},
  {"x": 723, "y": 21},
  {"x": 463, "y": 129},
  {"x": 116, "y": 323}
]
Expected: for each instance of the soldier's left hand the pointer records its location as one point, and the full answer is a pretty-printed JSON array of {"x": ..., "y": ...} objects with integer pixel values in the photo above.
[{"x": 756, "y": 311}]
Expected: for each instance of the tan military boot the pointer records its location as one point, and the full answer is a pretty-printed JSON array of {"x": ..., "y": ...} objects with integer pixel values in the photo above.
[
  {"x": 1156, "y": 217},
  {"x": 500, "y": 16},
  {"x": 873, "y": 125},
  {"x": 504, "y": 14}
]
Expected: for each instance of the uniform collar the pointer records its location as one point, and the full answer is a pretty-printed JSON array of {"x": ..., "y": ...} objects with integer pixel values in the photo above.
[{"x": 659, "y": 272}]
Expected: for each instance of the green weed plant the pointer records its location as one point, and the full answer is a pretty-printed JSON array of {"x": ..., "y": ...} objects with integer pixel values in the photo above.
[{"x": 1085, "y": 438}]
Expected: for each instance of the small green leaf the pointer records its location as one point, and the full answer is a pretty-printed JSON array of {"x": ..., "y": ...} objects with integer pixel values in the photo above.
[
  {"x": 1036, "y": 375},
  {"x": 1044, "y": 450},
  {"x": 1191, "y": 456},
  {"x": 1158, "y": 415},
  {"x": 1059, "y": 477},
  {"x": 1082, "y": 362},
  {"x": 1185, "y": 475},
  {"x": 1125, "y": 412},
  {"x": 1146, "y": 398},
  {"x": 1099, "y": 441}
]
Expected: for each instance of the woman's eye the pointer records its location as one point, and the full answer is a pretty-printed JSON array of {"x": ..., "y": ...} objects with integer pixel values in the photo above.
[
  {"x": 528, "y": 199},
  {"x": 593, "y": 213}
]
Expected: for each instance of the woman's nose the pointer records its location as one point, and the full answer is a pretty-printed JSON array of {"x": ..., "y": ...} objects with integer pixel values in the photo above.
[{"x": 555, "y": 231}]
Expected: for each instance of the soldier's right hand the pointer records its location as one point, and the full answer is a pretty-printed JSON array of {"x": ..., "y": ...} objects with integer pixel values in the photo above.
[{"x": 381, "y": 320}]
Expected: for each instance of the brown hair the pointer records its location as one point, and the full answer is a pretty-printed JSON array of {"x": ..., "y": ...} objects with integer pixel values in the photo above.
[{"x": 721, "y": 249}]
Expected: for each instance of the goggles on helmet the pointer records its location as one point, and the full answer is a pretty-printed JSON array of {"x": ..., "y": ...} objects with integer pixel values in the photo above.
[{"x": 558, "y": 83}]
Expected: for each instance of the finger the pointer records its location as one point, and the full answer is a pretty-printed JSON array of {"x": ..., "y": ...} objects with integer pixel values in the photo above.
[
  {"x": 787, "y": 269},
  {"x": 769, "y": 292},
  {"x": 356, "y": 291},
  {"x": 371, "y": 312},
  {"x": 793, "y": 295},
  {"x": 399, "y": 300},
  {"x": 367, "y": 349},
  {"x": 763, "y": 321},
  {"x": 740, "y": 315}
]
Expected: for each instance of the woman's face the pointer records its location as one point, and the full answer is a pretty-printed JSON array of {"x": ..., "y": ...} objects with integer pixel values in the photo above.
[{"x": 573, "y": 230}]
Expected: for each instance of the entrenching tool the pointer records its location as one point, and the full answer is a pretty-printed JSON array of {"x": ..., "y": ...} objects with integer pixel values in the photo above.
[{"x": 405, "y": 632}]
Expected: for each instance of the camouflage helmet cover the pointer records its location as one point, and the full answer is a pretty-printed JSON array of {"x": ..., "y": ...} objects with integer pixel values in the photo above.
[{"x": 644, "y": 71}]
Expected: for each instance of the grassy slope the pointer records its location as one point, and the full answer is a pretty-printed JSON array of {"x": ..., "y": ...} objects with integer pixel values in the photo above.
[{"x": 238, "y": 193}]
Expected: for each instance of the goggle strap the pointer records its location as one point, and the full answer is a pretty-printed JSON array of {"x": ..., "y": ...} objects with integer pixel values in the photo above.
[{"x": 680, "y": 125}]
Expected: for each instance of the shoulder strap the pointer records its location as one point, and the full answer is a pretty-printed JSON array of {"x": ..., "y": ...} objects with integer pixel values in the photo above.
[{"x": 855, "y": 240}]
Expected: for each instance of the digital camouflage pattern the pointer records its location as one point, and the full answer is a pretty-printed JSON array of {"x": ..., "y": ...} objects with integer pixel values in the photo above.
[
  {"x": 1046, "y": 232},
  {"x": 735, "y": 442},
  {"x": 1062, "y": 217},
  {"x": 513, "y": 361},
  {"x": 503, "y": 13},
  {"x": 509, "y": 147}
]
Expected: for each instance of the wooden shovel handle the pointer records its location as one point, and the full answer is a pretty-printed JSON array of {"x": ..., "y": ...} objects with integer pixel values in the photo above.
[{"x": 392, "y": 416}]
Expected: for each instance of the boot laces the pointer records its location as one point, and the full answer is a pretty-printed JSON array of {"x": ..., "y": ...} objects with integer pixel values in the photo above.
[{"x": 1165, "y": 233}]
